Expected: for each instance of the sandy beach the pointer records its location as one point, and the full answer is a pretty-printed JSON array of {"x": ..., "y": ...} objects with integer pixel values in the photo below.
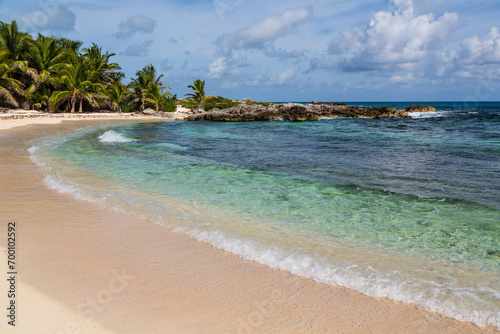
[{"x": 84, "y": 269}]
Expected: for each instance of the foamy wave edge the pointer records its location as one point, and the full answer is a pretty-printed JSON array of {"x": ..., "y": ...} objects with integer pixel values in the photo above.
[
  {"x": 428, "y": 114},
  {"x": 365, "y": 280},
  {"x": 114, "y": 137}
]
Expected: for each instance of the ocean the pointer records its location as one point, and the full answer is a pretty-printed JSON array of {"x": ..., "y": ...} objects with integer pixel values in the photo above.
[{"x": 406, "y": 209}]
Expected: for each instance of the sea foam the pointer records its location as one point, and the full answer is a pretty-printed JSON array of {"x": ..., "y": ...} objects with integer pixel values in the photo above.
[
  {"x": 114, "y": 137},
  {"x": 443, "y": 298},
  {"x": 427, "y": 114}
]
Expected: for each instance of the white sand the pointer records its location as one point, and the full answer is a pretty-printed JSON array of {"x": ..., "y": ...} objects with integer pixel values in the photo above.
[{"x": 29, "y": 117}]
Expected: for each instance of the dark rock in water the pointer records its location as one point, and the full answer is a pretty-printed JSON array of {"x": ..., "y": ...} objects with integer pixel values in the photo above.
[
  {"x": 294, "y": 112},
  {"x": 415, "y": 108}
]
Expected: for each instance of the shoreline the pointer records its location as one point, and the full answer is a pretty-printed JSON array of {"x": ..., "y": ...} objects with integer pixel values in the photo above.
[
  {"x": 110, "y": 272},
  {"x": 16, "y": 118}
]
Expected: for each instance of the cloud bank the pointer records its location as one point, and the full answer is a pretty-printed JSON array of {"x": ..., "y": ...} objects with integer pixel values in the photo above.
[{"x": 392, "y": 41}]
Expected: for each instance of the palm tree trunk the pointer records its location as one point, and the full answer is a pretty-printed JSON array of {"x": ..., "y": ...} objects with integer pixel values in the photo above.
[
  {"x": 200, "y": 106},
  {"x": 73, "y": 102},
  {"x": 81, "y": 103}
]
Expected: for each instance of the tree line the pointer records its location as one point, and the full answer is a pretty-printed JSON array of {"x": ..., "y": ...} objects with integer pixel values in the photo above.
[{"x": 58, "y": 75}]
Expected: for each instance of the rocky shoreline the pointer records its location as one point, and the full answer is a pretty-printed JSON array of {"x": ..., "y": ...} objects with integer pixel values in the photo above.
[
  {"x": 291, "y": 112},
  {"x": 294, "y": 112}
]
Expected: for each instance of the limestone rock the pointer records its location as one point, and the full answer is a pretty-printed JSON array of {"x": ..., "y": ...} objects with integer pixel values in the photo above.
[
  {"x": 149, "y": 111},
  {"x": 415, "y": 108},
  {"x": 295, "y": 112}
]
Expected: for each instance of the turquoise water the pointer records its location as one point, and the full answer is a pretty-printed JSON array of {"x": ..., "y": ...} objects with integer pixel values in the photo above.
[{"x": 407, "y": 209}]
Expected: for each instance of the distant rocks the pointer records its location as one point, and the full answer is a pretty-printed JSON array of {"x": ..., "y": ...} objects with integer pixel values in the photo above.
[
  {"x": 415, "y": 108},
  {"x": 294, "y": 112}
]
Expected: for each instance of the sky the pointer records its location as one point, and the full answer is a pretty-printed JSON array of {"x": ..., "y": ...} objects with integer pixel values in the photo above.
[{"x": 335, "y": 50}]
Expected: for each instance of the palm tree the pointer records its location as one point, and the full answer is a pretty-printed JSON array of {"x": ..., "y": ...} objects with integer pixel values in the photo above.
[
  {"x": 117, "y": 93},
  {"x": 147, "y": 87},
  {"x": 77, "y": 86},
  {"x": 198, "y": 94},
  {"x": 46, "y": 56},
  {"x": 156, "y": 95},
  {"x": 13, "y": 41},
  {"x": 69, "y": 45},
  {"x": 103, "y": 70},
  {"x": 8, "y": 85},
  {"x": 140, "y": 84},
  {"x": 13, "y": 45}
]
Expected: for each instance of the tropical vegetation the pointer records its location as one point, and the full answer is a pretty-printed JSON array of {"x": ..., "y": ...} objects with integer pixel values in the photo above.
[
  {"x": 55, "y": 74},
  {"x": 198, "y": 94},
  {"x": 198, "y": 100}
]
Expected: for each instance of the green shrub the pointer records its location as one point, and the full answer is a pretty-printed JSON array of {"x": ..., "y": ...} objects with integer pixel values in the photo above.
[
  {"x": 170, "y": 104},
  {"x": 187, "y": 103},
  {"x": 219, "y": 102},
  {"x": 265, "y": 104}
]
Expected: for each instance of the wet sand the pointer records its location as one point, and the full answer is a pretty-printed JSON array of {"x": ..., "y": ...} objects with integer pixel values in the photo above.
[{"x": 84, "y": 269}]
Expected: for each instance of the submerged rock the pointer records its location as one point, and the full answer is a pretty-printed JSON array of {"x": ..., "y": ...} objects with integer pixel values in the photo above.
[{"x": 294, "y": 112}]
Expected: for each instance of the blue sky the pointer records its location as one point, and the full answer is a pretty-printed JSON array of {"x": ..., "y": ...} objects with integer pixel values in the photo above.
[{"x": 366, "y": 50}]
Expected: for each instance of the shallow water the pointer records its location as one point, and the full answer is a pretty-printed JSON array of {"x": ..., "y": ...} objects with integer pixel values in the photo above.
[{"x": 407, "y": 209}]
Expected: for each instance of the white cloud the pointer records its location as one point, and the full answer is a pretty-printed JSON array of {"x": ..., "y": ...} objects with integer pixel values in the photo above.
[
  {"x": 402, "y": 5},
  {"x": 135, "y": 24},
  {"x": 138, "y": 50},
  {"x": 398, "y": 78},
  {"x": 264, "y": 32},
  {"x": 480, "y": 51},
  {"x": 475, "y": 58},
  {"x": 284, "y": 76},
  {"x": 392, "y": 41},
  {"x": 217, "y": 68}
]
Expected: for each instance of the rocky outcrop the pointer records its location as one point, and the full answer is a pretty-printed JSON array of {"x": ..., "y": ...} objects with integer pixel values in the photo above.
[
  {"x": 148, "y": 111},
  {"x": 295, "y": 112},
  {"x": 415, "y": 108}
]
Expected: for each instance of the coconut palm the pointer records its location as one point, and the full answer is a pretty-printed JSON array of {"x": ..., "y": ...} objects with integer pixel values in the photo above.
[
  {"x": 117, "y": 94},
  {"x": 103, "y": 70},
  {"x": 8, "y": 85},
  {"x": 156, "y": 95},
  {"x": 46, "y": 56},
  {"x": 69, "y": 45},
  {"x": 13, "y": 41},
  {"x": 198, "y": 94},
  {"x": 77, "y": 86},
  {"x": 147, "y": 86}
]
